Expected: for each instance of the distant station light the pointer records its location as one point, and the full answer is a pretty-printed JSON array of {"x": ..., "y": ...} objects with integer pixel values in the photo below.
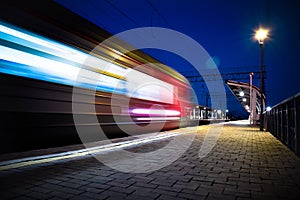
[
  {"x": 247, "y": 108},
  {"x": 268, "y": 108},
  {"x": 241, "y": 93},
  {"x": 244, "y": 99}
]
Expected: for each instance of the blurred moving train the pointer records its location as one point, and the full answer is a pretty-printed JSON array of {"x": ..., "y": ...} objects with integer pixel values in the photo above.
[{"x": 43, "y": 49}]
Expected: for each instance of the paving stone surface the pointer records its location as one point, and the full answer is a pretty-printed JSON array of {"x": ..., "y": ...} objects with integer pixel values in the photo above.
[{"x": 244, "y": 164}]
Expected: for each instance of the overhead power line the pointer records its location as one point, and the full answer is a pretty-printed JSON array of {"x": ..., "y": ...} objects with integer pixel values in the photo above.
[
  {"x": 123, "y": 13},
  {"x": 157, "y": 11}
]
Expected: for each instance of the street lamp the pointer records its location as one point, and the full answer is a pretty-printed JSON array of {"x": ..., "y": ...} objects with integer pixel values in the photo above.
[{"x": 261, "y": 35}]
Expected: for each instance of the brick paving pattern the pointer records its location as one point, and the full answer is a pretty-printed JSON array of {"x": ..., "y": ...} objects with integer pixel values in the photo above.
[{"x": 244, "y": 164}]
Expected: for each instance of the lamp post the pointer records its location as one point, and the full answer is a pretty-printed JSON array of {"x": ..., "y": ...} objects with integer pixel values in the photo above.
[
  {"x": 260, "y": 35},
  {"x": 250, "y": 101}
]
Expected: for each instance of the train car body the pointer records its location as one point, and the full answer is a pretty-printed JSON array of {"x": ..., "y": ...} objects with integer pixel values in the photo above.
[{"x": 43, "y": 49}]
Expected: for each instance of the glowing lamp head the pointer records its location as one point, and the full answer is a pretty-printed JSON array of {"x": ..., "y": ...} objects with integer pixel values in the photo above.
[{"x": 261, "y": 35}]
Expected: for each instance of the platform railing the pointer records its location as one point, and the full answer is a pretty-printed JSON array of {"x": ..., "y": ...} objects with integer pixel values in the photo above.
[{"x": 283, "y": 121}]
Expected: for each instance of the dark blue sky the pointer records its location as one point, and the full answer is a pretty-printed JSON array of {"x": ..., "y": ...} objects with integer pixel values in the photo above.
[{"x": 224, "y": 28}]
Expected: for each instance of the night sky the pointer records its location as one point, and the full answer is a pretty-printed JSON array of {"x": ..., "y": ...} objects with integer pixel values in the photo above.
[{"x": 224, "y": 28}]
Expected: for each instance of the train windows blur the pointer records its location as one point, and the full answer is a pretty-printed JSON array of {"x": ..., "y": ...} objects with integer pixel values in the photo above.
[{"x": 26, "y": 54}]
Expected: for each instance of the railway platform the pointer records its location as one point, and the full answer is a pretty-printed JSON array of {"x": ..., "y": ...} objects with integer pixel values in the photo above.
[{"x": 244, "y": 164}]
